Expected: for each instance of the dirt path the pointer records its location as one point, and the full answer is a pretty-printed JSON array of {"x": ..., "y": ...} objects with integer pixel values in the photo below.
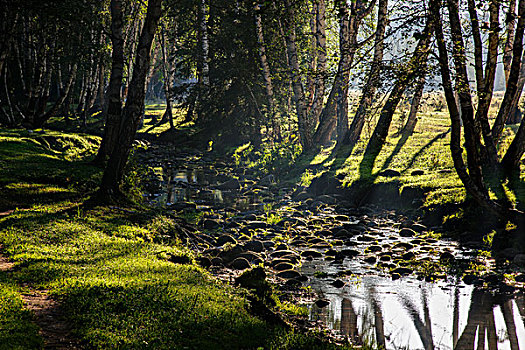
[{"x": 49, "y": 316}]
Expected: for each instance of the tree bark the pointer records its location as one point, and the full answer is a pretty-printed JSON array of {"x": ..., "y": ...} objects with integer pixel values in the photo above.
[
  {"x": 168, "y": 82},
  {"x": 132, "y": 111},
  {"x": 114, "y": 107},
  {"x": 487, "y": 87}
]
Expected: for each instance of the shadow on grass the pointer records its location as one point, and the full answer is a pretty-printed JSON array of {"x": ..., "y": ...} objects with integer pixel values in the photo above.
[{"x": 423, "y": 149}]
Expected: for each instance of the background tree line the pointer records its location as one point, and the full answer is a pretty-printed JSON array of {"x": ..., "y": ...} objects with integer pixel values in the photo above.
[{"x": 268, "y": 72}]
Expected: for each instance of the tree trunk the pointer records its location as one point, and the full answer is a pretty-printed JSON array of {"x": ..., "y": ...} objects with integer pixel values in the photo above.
[
  {"x": 411, "y": 122},
  {"x": 372, "y": 82},
  {"x": 57, "y": 106},
  {"x": 320, "y": 71},
  {"x": 479, "y": 194},
  {"x": 507, "y": 51},
  {"x": 204, "y": 77},
  {"x": 465, "y": 99},
  {"x": 276, "y": 128},
  {"x": 114, "y": 108},
  {"x": 168, "y": 83},
  {"x": 304, "y": 125},
  {"x": 512, "y": 83},
  {"x": 338, "y": 96},
  {"x": 132, "y": 111},
  {"x": 487, "y": 88}
]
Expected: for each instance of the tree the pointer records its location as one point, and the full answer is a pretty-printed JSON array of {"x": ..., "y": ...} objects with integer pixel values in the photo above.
[
  {"x": 408, "y": 73},
  {"x": 132, "y": 112},
  {"x": 472, "y": 179}
]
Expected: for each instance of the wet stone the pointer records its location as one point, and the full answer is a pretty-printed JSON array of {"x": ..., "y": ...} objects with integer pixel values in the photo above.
[
  {"x": 419, "y": 228},
  {"x": 338, "y": 284},
  {"x": 256, "y": 224},
  {"x": 407, "y": 232},
  {"x": 293, "y": 283},
  {"x": 240, "y": 264},
  {"x": 281, "y": 253},
  {"x": 224, "y": 239},
  {"x": 408, "y": 256},
  {"x": 216, "y": 261},
  {"x": 350, "y": 253},
  {"x": 370, "y": 259},
  {"x": 289, "y": 274},
  {"x": 210, "y": 224},
  {"x": 283, "y": 266},
  {"x": 374, "y": 248},
  {"x": 311, "y": 253},
  {"x": 365, "y": 238}
]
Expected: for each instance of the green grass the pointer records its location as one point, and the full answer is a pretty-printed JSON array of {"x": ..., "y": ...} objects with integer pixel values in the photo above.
[
  {"x": 17, "y": 331},
  {"x": 110, "y": 267}
]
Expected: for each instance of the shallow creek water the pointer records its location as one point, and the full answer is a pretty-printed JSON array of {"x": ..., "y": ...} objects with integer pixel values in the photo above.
[{"x": 405, "y": 312}]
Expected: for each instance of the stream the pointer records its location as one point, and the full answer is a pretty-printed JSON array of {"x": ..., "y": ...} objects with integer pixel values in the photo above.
[{"x": 373, "y": 276}]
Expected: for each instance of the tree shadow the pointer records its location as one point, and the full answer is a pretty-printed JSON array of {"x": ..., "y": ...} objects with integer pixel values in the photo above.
[{"x": 424, "y": 148}]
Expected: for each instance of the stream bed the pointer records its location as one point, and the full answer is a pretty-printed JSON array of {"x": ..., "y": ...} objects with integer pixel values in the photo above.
[{"x": 372, "y": 276}]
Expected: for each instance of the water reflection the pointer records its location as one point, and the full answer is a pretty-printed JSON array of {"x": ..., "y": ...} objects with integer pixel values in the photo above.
[
  {"x": 196, "y": 185},
  {"x": 411, "y": 314}
]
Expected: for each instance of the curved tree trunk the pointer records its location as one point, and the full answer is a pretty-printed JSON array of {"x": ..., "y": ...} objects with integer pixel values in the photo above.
[
  {"x": 372, "y": 81},
  {"x": 512, "y": 83}
]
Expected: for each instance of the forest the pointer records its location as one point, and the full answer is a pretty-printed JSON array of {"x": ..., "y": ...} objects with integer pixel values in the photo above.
[{"x": 248, "y": 174}]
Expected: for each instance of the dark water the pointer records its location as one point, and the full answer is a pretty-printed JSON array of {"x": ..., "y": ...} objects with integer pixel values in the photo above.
[{"x": 406, "y": 313}]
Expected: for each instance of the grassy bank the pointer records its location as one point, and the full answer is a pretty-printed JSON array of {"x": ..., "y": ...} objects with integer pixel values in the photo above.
[{"x": 110, "y": 267}]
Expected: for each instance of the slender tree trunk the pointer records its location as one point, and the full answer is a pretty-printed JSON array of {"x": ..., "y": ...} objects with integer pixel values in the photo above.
[
  {"x": 338, "y": 96},
  {"x": 462, "y": 87},
  {"x": 267, "y": 77},
  {"x": 203, "y": 30},
  {"x": 132, "y": 111},
  {"x": 373, "y": 81},
  {"x": 320, "y": 71},
  {"x": 114, "y": 108},
  {"x": 507, "y": 51},
  {"x": 486, "y": 88},
  {"x": 512, "y": 83},
  {"x": 411, "y": 122},
  {"x": 64, "y": 94},
  {"x": 304, "y": 125},
  {"x": 168, "y": 83}
]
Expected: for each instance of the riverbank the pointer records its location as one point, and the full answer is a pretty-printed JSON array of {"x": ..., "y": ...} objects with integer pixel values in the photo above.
[{"x": 121, "y": 275}]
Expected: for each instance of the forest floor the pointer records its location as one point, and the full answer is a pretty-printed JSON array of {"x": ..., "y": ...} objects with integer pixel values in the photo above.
[{"x": 125, "y": 276}]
